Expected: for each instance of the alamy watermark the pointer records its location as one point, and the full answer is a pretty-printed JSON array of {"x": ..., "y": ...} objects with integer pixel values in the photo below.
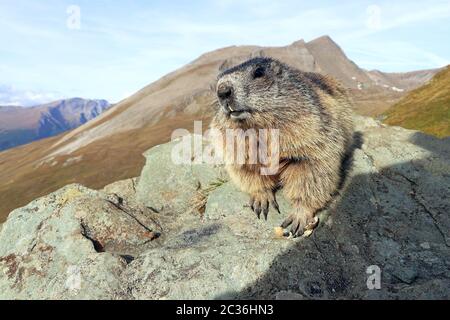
[
  {"x": 73, "y": 281},
  {"x": 373, "y": 21},
  {"x": 73, "y": 21},
  {"x": 374, "y": 277},
  {"x": 231, "y": 146}
]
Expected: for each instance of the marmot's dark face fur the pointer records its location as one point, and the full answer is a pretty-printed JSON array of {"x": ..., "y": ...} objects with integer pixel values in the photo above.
[{"x": 249, "y": 89}]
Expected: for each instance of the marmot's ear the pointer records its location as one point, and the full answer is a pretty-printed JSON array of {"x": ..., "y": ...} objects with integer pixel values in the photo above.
[
  {"x": 276, "y": 68},
  {"x": 225, "y": 65}
]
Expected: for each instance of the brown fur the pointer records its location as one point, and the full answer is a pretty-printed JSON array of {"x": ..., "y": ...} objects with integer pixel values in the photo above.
[{"x": 313, "y": 114}]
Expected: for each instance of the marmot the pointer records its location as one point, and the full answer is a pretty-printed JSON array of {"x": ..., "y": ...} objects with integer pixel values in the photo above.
[{"x": 313, "y": 115}]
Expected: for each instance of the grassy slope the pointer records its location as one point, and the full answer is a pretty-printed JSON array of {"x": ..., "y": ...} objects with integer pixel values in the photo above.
[
  {"x": 426, "y": 109},
  {"x": 106, "y": 161}
]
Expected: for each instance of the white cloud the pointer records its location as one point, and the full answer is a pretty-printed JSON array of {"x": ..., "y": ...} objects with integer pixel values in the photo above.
[
  {"x": 373, "y": 17},
  {"x": 397, "y": 54},
  {"x": 11, "y": 96}
]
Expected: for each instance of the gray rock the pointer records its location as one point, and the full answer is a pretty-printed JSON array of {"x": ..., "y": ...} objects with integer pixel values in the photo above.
[
  {"x": 391, "y": 215},
  {"x": 126, "y": 189},
  {"x": 287, "y": 295},
  {"x": 167, "y": 185},
  {"x": 73, "y": 243}
]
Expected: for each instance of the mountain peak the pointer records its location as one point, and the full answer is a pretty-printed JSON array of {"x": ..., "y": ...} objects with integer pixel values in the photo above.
[
  {"x": 300, "y": 42},
  {"x": 325, "y": 39},
  {"x": 19, "y": 125}
]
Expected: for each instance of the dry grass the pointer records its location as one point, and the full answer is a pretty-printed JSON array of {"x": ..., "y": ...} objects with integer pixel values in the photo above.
[
  {"x": 426, "y": 109},
  {"x": 373, "y": 101},
  {"x": 104, "y": 161},
  {"x": 199, "y": 200}
]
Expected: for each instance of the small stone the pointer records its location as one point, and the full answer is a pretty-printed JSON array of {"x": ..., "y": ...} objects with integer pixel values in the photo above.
[
  {"x": 279, "y": 232},
  {"x": 425, "y": 245},
  {"x": 308, "y": 232}
]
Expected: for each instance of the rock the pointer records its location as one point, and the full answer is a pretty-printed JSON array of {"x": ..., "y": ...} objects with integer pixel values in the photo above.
[
  {"x": 126, "y": 189},
  {"x": 228, "y": 205},
  {"x": 389, "y": 225},
  {"x": 287, "y": 295},
  {"x": 73, "y": 243},
  {"x": 167, "y": 185}
]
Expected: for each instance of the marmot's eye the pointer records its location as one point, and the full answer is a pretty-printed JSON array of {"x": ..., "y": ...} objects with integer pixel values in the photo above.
[{"x": 259, "y": 72}]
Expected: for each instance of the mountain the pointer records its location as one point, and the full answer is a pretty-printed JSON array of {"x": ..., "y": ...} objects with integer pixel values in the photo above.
[
  {"x": 387, "y": 89},
  {"x": 193, "y": 238},
  {"x": 110, "y": 147},
  {"x": 426, "y": 108},
  {"x": 19, "y": 125}
]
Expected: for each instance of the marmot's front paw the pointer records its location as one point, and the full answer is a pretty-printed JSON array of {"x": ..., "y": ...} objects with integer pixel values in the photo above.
[
  {"x": 300, "y": 223},
  {"x": 259, "y": 202}
]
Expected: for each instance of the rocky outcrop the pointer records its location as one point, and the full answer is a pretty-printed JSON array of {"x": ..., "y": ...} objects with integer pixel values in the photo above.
[
  {"x": 184, "y": 232},
  {"x": 74, "y": 243}
]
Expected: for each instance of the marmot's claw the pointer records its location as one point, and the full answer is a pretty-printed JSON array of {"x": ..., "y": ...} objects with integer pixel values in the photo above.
[
  {"x": 274, "y": 204},
  {"x": 295, "y": 228},
  {"x": 255, "y": 205},
  {"x": 258, "y": 210},
  {"x": 260, "y": 203},
  {"x": 266, "y": 210},
  {"x": 300, "y": 225},
  {"x": 251, "y": 202},
  {"x": 287, "y": 221}
]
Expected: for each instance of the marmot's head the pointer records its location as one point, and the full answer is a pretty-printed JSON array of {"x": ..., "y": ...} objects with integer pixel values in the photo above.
[{"x": 249, "y": 88}]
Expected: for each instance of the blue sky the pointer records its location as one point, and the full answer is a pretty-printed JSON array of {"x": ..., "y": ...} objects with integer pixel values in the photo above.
[{"x": 117, "y": 47}]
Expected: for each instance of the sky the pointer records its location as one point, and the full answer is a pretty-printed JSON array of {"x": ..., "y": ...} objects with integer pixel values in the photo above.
[{"x": 52, "y": 49}]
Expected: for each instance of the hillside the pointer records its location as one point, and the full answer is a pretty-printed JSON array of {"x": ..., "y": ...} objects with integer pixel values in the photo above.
[
  {"x": 19, "y": 125},
  {"x": 110, "y": 147},
  {"x": 426, "y": 108}
]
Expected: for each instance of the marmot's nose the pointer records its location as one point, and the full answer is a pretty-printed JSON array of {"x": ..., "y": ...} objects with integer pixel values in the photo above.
[{"x": 225, "y": 92}]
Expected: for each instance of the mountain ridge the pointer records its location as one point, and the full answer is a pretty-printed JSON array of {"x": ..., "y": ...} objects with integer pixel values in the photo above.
[
  {"x": 296, "y": 54},
  {"x": 21, "y": 125}
]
